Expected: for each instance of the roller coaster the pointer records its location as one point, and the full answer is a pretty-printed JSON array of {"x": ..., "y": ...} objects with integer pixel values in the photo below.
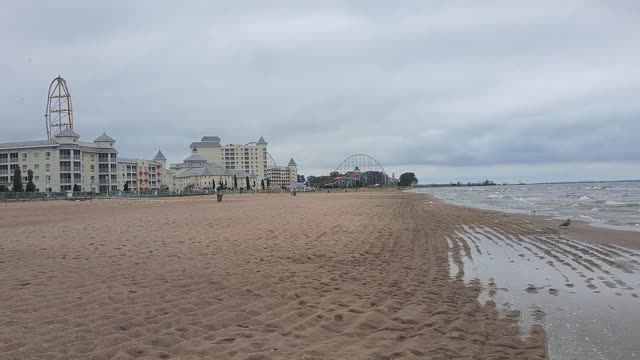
[{"x": 358, "y": 170}]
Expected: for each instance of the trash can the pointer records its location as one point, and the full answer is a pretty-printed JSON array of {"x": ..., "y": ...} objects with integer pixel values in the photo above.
[{"x": 219, "y": 197}]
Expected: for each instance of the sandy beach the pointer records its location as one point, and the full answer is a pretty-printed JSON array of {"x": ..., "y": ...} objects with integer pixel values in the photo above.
[{"x": 358, "y": 275}]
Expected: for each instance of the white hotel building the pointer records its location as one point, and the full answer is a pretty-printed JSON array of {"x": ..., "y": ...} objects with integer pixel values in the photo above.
[
  {"x": 62, "y": 162},
  {"x": 250, "y": 159}
]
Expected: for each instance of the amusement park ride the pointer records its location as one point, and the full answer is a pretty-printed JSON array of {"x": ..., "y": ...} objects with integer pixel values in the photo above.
[{"x": 59, "y": 112}]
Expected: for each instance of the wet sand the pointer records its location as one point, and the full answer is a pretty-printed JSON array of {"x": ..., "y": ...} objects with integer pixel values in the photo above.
[{"x": 367, "y": 275}]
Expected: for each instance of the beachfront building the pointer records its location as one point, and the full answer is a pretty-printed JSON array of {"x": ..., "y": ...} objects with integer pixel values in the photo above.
[
  {"x": 144, "y": 174},
  {"x": 251, "y": 159},
  {"x": 282, "y": 176},
  {"x": 195, "y": 173},
  {"x": 62, "y": 163}
]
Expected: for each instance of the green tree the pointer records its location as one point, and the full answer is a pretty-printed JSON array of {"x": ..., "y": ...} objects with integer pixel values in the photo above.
[
  {"x": 235, "y": 182},
  {"x": 317, "y": 180},
  {"x": 220, "y": 185},
  {"x": 225, "y": 184},
  {"x": 76, "y": 188},
  {"x": 268, "y": 182},
  {"x": 31, "y": 187},
  {"x": 408, "y": 179},
  {"x": 17, "y": 180},
  {"x": 262, "y": 184},
  {"x": 3, "y": 188},
  {"x": 248, "y": 183},
  {"x": 126, "y": 186}
]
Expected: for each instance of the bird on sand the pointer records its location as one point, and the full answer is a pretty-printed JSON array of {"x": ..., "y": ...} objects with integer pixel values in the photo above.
[{"x": 566, "y": 223}]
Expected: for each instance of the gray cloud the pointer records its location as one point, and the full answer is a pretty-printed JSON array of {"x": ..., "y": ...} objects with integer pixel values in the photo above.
[{"x": 444, "y": 87}]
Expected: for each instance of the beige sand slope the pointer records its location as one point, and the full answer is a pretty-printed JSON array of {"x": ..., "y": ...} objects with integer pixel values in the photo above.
[{"x": 317, "y": 276}]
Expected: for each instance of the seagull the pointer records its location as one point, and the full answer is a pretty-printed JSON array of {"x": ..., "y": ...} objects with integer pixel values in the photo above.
[{"x": 566, "y": 223}]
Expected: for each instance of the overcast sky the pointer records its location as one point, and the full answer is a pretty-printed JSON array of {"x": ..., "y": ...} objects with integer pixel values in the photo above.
[{"x": 452, "y": 90}]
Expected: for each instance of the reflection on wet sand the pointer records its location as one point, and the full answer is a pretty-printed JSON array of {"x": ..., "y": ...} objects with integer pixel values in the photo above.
[{"x": 585, "y": 295}]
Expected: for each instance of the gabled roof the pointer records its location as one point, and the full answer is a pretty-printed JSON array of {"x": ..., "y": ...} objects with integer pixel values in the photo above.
[
  {"x": 104, "y": 138},
  {"x": 261, "y": 141},
  {"x": 210, "y": 138},
  {"x": 67, "y": 133},
  {"x": 292, "y": 163},
  {"x": 159, "y": 156}
]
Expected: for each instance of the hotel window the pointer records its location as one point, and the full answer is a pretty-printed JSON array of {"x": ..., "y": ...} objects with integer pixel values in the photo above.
[
  {"x": 4, "y": 158},
  {"x": 4, "y": 179},
  {"x": 47, "y": 167},
  {"x": 77, "y": 166},
  {"x": 65, "y": 178},
  {"x": 24, "y": 156},
  {"x": 13, "y": 157},
  {"x": 93, "y": 178},
  {"x": 65, "y": 165},
  {"x": 36, "y": 166},
  {"x": 24, "y": 167},
  {"x": 76, "y": 154},
  {"x": 103, "y": 157},
  {"x": 4, "y": 169},
  {"x": 36, "y": 178},
  {"x": 113, "y": 157},
  {"x": 35, "y": 155},
  {"x": 93, "y": 167},
  {"x": 47, "y": 155},
  {"x": 77, "y": 178}
]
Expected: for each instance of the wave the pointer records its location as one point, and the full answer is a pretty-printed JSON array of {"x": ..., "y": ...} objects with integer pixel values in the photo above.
[{"x": 620, "y": 203}]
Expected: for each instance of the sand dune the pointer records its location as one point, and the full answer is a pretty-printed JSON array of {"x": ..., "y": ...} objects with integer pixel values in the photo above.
[{"x": 317, "y": 276}]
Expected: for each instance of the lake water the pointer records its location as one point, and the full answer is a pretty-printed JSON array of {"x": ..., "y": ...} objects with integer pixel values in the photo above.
[{"x": 608, "y": 204}]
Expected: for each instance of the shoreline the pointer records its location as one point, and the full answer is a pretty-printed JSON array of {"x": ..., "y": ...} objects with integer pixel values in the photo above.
[{"x": 578, "y": 230}]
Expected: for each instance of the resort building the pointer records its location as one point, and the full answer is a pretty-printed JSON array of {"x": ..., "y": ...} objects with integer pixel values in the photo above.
[
  {"x": 195, "y": 173},
  {"x": 280, "y": 176},
  {"x": 62, "y": 163},
  {"x": 141, "y": 174},
  {"x": 251, "y": 159}
]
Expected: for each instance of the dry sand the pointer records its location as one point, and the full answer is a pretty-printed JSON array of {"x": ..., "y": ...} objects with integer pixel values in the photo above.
[{"x": 318, "y": 276}]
